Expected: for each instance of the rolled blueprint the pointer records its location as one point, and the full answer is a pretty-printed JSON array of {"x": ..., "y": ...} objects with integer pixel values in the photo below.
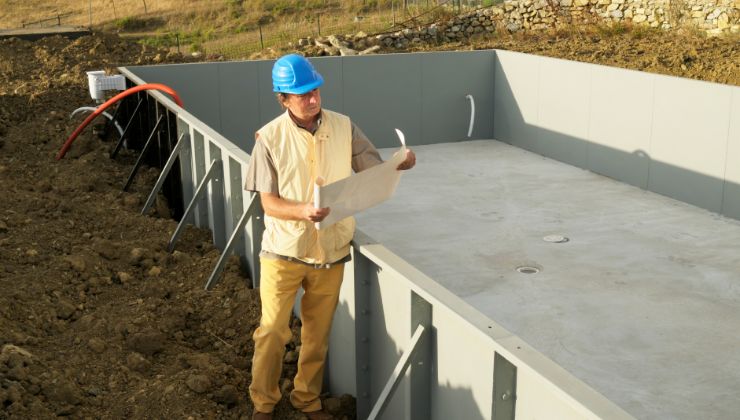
[
  {"x": 317, "y": 197},
  {"x": 361, "y": 191}
]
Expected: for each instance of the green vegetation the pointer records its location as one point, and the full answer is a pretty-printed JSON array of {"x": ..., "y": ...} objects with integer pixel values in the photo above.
[
  {"x": 238, "y": 28},
  {"x": 174, "y": 39},
  {"x": 614, "y": 29},
  {"x": 129, "y": 23},
  {"x": 643, "y": 31},
  {"x": 236, "y": 8}
]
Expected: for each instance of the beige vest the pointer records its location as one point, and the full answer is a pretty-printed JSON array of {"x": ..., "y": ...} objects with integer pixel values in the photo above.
[{"x": 300, "y": 158}]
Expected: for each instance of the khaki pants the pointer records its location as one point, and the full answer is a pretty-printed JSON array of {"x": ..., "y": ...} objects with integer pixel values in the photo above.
[{"x": 279, "y": 284}]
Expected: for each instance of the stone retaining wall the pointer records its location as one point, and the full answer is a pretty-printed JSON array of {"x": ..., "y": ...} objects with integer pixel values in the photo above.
[{"x": 714, "y": 16}]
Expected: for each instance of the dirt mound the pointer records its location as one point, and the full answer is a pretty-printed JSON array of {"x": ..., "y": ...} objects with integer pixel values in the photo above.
[
  {"x": 34, "y": 74},
  {"x": 683, "y": 53},
  {"x": 675, "y": 53},
  {"x": 96, "y": 318}
]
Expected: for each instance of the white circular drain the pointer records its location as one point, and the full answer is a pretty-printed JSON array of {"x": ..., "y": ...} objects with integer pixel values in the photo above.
[
  {"x": 556, "y": 239},
  {"x": 526, "y": 269}
]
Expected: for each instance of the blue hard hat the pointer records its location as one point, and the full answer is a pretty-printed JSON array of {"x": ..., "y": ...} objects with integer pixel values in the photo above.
[{"x": 292, "y": 73}]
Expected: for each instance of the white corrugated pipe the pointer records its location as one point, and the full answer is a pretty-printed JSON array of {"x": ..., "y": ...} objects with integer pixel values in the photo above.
[
  {"x": 92, "y": 109},
  {"x": 472, "y": 114}
]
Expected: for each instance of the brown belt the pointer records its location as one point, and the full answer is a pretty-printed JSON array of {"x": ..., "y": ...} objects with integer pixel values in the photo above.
[{"x": 272, "y": 255}]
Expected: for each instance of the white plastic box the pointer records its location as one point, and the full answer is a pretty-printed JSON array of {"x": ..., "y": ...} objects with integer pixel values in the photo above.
[{"x": 98, "y": 83}]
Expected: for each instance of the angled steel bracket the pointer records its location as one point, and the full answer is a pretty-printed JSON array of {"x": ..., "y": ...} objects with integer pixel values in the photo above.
[
  {"x": 504, "y": 389},
  {"x": 125, "y": 130},
  {"x": 238, "y": 230},
  {"x": 183, "y": 142},
  {"x": 140, "y": 159},
  {"x": 398, "y": 373},
  {"x": 112, "y": 120},
  {"x": 363, "y": 269},
  {"x": 212, "y": 169}
]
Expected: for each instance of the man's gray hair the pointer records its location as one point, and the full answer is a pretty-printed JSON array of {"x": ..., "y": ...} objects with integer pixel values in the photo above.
[{"x": 280, "y": 96}]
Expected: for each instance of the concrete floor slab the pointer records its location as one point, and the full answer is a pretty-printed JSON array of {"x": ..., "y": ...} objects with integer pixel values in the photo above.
[{"x": 642, "y": 303}]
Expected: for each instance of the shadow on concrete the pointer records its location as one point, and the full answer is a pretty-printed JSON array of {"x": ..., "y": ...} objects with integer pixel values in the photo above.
[
  {"x": 421, "y": 394},
  {"x": 637, "y": 168}
]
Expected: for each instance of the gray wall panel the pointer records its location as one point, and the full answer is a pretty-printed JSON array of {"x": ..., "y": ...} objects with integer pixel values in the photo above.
[
  {"x": 186, "y": 169},
  {"x": 689, "y": 141},
  {"x": 619, "y": 127},
  {"x": 200, "y": 213},
  {"x": 662, "y": 133},
  {"x": 446, "y": 79},
  {"x": 216, "y": 201},
  {"x": 269, "y": 107},
  {"x": 341, "y": 356},
  {"x": 460, "y": 388},
  {"x": 515, "y": 106},
  {"x": 562, "y": 116},
  {"x": 390, "y": 319},
  {"x": 196, "y": 84},
  {"x": 234, "y": 185},
  {"x": 331, "y": 92},
  {"x": 239, "y": 102},
  {"x": 731, "y": 201},
  {"x": 382, "y": 93}
]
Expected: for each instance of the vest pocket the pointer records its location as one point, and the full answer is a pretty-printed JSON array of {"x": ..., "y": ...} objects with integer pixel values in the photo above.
[
  {"x": 289, "y": 238},
  {"x": 342, "y": 233}
]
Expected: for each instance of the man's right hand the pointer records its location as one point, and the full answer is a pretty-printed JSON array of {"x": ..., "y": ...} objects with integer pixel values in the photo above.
[
  {"x": 282, "y": 209},
  {"x": 314, "y": 214}
]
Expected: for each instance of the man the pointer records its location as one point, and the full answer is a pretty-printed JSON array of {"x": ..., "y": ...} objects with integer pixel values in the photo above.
[{"x": 291, "y": 152}]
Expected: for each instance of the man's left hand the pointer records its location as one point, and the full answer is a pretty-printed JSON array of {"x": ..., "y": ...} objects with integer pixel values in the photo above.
[{"x": 409, "y": 162}]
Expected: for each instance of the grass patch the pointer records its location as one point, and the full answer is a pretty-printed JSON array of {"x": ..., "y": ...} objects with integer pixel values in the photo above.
[
  {"x": 135, "y": 23},
  {"x": 129, "y": 23},
  {"x": 644, "y": 31},
  {"x": 614, "y": 29},
  {"x": 174, "y": 39},
  {"x": 286, "y": 7}
]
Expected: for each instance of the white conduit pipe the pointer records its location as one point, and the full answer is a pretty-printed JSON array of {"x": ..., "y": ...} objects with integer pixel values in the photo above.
[
  {"x": 92, "y": 109},
  {"x": 472, "y": 114}
]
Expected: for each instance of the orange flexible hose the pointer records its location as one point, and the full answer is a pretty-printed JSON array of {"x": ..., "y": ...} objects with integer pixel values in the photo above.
[{"x": 111, "y": 101}]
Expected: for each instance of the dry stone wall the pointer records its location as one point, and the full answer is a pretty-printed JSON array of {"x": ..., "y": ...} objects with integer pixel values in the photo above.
[{"x": 714, "y": 16}]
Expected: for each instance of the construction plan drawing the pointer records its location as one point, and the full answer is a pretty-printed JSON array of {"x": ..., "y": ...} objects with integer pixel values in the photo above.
[{"x": 359, "y": 192}]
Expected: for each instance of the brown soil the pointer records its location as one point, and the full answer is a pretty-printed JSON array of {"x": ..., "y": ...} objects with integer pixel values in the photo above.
[
  {"x": 681, "y": 53},
  {"x": 96, "y": 319},
  {"x": 684, "y": 54}
]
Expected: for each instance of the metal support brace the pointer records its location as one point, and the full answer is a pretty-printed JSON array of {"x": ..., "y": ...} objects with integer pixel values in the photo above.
[
  {"x": 504, "y": 389},
  {"x": 420, "y": 371},
  {"x": 140, "y": 160},
  {"x": 216, "y": 164},
  {"x": 112, "y": 120},
  {"x": 364, "y": 272},
  {"x": 238, "y": 230},
  {"x": 182, "y": 142},
  {"x": 125, "y": 130},
  {"x": 398, "y": 373}
]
